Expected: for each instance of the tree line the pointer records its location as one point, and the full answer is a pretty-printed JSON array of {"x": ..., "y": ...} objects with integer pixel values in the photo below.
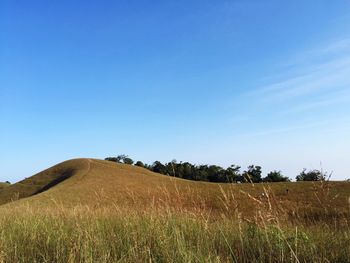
[{"x": 218, "y": 174}]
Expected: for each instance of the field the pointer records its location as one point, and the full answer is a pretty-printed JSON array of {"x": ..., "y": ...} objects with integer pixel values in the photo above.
[{"x": 88, "y": 210}]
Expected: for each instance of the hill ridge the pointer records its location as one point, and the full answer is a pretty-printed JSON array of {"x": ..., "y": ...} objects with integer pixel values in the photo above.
[
  {"x": 42, "y": 181},
  {"x": 101, "y": 184}
]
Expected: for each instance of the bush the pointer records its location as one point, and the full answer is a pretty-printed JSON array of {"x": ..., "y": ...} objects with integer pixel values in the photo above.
[
  {"x": 140, "y": 164},
  {"x": 312, "y": 175},
  {"x": 253, "y": 174},
  {"x": 120, "y": 159},
  {"x": 275, "y": 176}
]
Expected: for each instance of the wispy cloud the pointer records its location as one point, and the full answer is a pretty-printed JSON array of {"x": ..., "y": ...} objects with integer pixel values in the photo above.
[
  {"x": 325, "y": 70},
  {"x": 335, "y": 47},
  {"x": 335, "y": 98},
  {"x": 313, "y": 96},
  {"x": 324, "y": 125}
]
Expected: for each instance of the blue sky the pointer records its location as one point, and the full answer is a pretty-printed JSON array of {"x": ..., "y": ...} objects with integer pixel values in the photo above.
[{"x": 221, "y": 82}]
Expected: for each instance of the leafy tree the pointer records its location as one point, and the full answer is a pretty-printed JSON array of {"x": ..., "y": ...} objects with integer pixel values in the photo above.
[
  {"x": 128, "y": 160},
  {"x": 275, "y": 176},
  {"x": 201, "y": 173},
  {"x": 113, "y": 159},
  {"x": 122, "y": 158},
  {"x": 158, "y": 167},
  {"x": 188, "y": 170},
  {"x": 253, "y": 174},
  {"x": 179, "y": 170},
  {"x": 171, "y": 168},
  {"x": 216, "y": 173},
  {"x": 139, "y": 163},
  {"x": 232, "y": 174},
  {"x": 312, "y": 175}
]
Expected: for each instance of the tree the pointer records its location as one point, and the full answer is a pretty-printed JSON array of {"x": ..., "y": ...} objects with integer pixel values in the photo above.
[
  {"x": 216, "y": 173},
  {"x": 312, "y": 175},
  {"x": 113, "y": 159},
  {"x": 275, "y": 176},
  {"x": 253, "y": 174},
  {"x": 201, "y": 173},
  {"x": 122, "y": 158},
  {"x": 188, "y": 170},
  {"x": 232, "y": 174},
  {"x": 158, "y": 167},
  {"x": 128, "y": 160},
  {"x": 139, "y": 163}
]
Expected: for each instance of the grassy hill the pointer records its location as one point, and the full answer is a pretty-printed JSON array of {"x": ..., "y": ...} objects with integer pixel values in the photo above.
[
  {"x": 3, "y": 185},
  {"x": 100, "y": 184},
  {"x": 88, "y": 210}
]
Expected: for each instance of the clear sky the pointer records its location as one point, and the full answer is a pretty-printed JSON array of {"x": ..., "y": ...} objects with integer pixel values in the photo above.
[{"x": 220, "y": 82}]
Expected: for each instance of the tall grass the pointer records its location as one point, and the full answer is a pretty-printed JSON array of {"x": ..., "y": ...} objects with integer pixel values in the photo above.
[{"x": 167, "y": 234}]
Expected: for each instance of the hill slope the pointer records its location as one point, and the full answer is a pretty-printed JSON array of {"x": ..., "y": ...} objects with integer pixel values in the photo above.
[
  {"x": 3, "y": 185},
  {"x": 42, "y": 181},
  {"x": 99, "y": 184}
]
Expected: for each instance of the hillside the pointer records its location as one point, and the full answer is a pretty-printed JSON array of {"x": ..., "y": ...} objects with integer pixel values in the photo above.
[
  {"x": 100, "y": 184},
  {"x": 3, "y": 185}
]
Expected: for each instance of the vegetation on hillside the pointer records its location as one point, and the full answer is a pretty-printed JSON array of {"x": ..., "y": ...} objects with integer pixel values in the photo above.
[{"x": 218, "y": 174}]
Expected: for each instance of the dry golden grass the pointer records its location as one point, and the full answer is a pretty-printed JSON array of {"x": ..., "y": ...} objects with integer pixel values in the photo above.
[
  {"x": 82, "y": 234},
  {"x": 102, "y": 184},
  {"x": 108, "y": 212},
  {"x": 3, "y": 185}
]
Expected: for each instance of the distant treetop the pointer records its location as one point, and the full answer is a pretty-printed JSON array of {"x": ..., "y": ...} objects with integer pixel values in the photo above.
[{"x": 218, "y": 174}]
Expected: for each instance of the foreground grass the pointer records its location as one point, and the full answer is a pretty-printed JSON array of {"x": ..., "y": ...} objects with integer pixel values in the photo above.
[{"x": 82, "y": 235}]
